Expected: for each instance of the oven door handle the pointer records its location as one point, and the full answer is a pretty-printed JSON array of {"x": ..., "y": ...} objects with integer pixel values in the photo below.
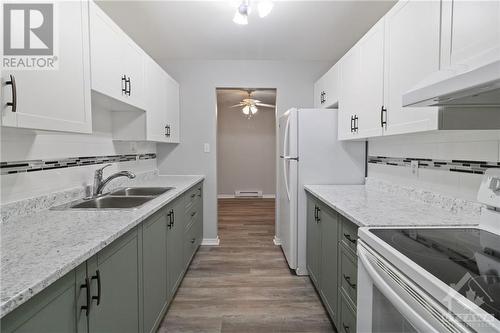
[{"x": 411, "y": 315}]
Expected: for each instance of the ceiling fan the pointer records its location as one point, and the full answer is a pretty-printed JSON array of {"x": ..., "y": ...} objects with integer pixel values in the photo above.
[{"x": 250, "y": 105}]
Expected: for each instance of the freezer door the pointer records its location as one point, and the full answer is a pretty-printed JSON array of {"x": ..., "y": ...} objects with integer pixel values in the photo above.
[{"x": 288, "y": 134}]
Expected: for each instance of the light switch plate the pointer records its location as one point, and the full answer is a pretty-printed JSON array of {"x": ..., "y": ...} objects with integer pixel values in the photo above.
[{"x": 206, "y": 148}]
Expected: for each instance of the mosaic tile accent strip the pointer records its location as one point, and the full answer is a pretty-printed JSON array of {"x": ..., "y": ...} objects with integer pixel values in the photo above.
[
  {"x": 7, "y": 168},
  {"x": 474, "y": 167}
]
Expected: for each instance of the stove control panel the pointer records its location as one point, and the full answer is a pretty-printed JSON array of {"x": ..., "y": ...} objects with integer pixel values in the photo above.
[{"x": 489, "y": 191}]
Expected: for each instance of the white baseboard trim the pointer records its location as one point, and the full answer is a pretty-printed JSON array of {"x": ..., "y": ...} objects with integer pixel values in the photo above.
[
  {"x": 230, "y": 196},
  {"x": 276, "y": 241},
  {"x": 211, "y": 241}
]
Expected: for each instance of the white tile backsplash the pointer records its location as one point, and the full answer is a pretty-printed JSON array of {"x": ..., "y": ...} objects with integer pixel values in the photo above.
[
  {"x": 19, "y": 145},
  {"x": 445, "y": 145}
]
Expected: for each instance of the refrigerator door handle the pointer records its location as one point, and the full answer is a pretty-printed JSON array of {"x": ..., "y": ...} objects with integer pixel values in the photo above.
[{"x": 285, "y": 174}]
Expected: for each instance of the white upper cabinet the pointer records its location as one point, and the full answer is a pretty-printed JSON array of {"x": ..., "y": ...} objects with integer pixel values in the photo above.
[
  {"x": 173, "y": 110},
  {"x": 117, "y": 62},
  {"x": 57, "y": 100},
  {"x": 326, "y": 89},
  {"x": 412, "y": 35},
  {"x": 370, "y": 88},
  {"x": 349, "y": 94},
  {"x": 470, "y": 34}
]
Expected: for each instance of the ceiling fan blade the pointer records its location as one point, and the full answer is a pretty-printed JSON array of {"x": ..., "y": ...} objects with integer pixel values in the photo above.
[
  {"x": 238, "y": 105},
  {"x": 265, "y": 105}
]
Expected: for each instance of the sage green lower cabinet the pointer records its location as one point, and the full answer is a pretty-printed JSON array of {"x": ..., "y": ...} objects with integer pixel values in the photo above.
[
  {"x": 154, "y": 268},
  {"x": 130, "y": 282},
  {"x": 331, "y": 262},
  {"x": 313, "y": 242},
  {"x": 51, "y": 311},
  {"x": 116, "y": 307},
  {"x": 175, "y": 255}
]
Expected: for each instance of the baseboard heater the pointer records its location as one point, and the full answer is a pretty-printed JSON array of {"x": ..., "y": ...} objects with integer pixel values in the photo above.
[{"x": 248, "y": 194}]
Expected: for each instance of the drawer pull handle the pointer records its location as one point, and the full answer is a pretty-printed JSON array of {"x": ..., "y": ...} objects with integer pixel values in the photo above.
[
  {"x": 193, "y": 195},
  {"x": 346, "y": 328},
  {"x": 193, "y": 214},
  {"x": 193, "y": 240},
  {"x": 87, "y": 287},
  {"x": 348, "y": 280},
  {"x": 348, "y": 237},
  {"x": 97, "y": 277}
]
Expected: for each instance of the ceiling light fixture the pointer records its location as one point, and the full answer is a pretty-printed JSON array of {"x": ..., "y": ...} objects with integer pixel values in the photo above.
[{"x": 264, "y": 7}]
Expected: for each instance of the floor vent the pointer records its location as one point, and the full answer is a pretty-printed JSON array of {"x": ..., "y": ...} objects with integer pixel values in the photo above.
[{"x": 248, "y": 194}]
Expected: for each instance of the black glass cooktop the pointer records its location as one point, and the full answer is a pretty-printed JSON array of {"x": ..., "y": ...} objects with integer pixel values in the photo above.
[{"x": 467, "y": 260}]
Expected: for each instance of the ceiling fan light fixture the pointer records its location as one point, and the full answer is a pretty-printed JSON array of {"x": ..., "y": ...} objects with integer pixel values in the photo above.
[
  {"x": 246, "y": 110},
  {"x": 264, "y": 7},
  {"x": 253, "y": 109},
  {"x": 241, "y": 15}
]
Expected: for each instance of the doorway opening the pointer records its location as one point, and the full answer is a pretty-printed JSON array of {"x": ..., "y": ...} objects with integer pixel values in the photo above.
[{"x": 246, "y": 162}]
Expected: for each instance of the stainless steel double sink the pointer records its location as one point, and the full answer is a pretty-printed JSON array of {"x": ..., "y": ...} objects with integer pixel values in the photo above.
[{"x": 122, "y": 198}]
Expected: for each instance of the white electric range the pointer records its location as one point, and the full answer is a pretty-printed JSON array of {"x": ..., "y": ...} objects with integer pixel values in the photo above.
[{"x": 433, "y": 279}]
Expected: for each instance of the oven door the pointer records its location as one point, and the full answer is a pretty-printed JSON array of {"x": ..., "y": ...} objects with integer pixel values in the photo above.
[{"x": 389, "y": 302}]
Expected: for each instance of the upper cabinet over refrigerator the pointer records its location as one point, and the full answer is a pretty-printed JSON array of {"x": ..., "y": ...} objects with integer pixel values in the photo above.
[{"x": 54, "y": 99}]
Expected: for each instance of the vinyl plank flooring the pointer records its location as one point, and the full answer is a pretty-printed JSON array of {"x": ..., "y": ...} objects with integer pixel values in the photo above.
[{"x": 244, "y": 285}]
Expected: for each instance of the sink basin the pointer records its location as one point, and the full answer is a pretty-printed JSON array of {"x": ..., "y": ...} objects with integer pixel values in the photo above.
[
  {"x": 140, "y": 191},
  {"x": 110, "y": 202}
]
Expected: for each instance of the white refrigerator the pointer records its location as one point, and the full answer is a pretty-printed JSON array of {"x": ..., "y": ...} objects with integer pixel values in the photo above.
[{"x": 310, "y": 154}]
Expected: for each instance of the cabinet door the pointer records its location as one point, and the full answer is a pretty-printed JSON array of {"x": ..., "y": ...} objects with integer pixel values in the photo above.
[
  {"x": 52, "y": 310},
  {"x": 156, "y": 112},
  {"x": 329, "y": 260},
  {"x": 154, "y": 268},
  {"x": 411, "y": 54},
  {"x": 115, "y": 58},
  {"x": 106, "y": 55},
  {"x": 117, "y": 269},
  {"x": 313, "y": 242},
  {"x": 173, "y": 110},
  {"x": 331, "y": 87},
  {"x": 371, "y": 83},
  {"x": 175, "y": 256},
  {"x": 57, "y": 100},
  {"x": 319, "y": 88},
  {"x": 471, "y": 33},
  {"x": 349, "y": 93}
]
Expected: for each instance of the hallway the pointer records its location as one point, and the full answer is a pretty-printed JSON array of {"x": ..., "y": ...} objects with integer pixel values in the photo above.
[{"x": 244, "y": 285}]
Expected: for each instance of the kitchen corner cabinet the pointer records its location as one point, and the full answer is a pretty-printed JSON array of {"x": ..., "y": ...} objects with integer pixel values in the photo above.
[
  {"x": 332, "y": 262},
  {"x": 57, "y": 100},
  {"x": 125, "y": 287},
  {"x": 117, "y": 62}
]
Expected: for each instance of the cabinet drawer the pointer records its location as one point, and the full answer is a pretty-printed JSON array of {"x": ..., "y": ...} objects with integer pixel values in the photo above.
[
  {"x": 192, "y": 215},
  {"x": 349, "y": 274},
  {"x": 347, "y": 318},
  {"x": 349, "y": 234},
  {"x": 193, "y": 196},
  {"x": 191, "y": 241}
]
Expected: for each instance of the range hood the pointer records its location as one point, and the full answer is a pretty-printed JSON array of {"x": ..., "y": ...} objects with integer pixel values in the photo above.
[{"x": 479, "y": 87}]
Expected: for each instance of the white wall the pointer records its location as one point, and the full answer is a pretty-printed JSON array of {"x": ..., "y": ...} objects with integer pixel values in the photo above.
[
  {"x": 246, "y": 151},
  {"x": 444, "y": 145},
  {"x": 19, "y": 145},
  {"x": 198, "y": 80}
]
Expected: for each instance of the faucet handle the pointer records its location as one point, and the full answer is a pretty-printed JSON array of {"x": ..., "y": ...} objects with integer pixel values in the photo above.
[{"x": 104, "y": 167}]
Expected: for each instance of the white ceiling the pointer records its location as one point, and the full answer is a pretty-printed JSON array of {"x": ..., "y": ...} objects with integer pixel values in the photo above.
[
  {"x": 203, "y": 30},
  {"x": 230, "y": 97}
]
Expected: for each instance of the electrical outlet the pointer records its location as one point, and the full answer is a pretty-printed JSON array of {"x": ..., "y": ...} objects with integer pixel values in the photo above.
[
  {"x": 133, "y": 147},
  {"x": 414, "y": 168}
]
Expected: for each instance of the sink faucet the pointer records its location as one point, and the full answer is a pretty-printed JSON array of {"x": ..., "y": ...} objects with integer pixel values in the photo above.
[{"x": 99, "y": 184}]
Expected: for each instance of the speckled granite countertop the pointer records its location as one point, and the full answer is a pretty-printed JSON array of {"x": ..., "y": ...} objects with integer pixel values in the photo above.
[
  {"x": 36, "y": 250},
  {"x": 367, "y": 207}
]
